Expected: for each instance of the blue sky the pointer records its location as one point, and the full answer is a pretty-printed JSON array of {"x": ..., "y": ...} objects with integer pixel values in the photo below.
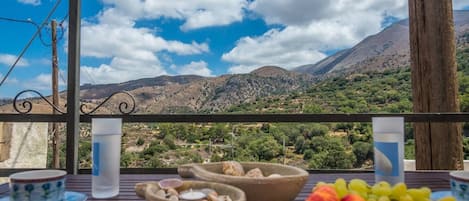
[{"x": 128, "y": 39}]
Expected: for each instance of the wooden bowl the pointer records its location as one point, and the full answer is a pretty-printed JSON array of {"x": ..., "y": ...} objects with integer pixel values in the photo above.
[
  {"x": 283, "y": 188},
  {"x": 148, "y": 190}
]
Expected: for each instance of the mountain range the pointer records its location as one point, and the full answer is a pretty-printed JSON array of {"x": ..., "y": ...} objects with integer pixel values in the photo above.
[
  {"x": 387, "y": 49},
  {"x": 195, "y": 94},
  {"x": 188, "y": 93}
]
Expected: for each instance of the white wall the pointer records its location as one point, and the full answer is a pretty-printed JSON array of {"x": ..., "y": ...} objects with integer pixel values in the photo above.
[{"x": 28, "y": 147}]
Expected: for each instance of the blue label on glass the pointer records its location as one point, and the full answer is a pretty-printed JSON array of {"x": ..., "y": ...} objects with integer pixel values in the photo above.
[
  {"x": 386, "y": 158},
  {"x": 95, "y": 170}
]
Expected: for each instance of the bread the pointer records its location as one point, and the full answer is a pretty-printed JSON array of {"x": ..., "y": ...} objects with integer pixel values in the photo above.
[{"x": 233, "y": 168}]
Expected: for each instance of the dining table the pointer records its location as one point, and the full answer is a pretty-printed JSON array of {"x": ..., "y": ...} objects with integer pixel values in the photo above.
[{"x": 435, "y": 180}]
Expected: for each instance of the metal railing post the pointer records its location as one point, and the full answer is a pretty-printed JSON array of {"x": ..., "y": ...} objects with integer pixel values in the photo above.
[{"x": 73, "y": 86}]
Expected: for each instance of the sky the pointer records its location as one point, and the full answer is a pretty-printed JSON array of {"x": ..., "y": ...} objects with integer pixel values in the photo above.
[{"x": 124, "y": 40}]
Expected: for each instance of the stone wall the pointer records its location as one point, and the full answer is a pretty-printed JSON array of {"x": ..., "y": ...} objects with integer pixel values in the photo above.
[
  {"x": 28, "y": 145},
  {"x": 5, "y": 141}
]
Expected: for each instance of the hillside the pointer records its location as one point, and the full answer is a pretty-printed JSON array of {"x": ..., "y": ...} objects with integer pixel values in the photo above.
[
  {"x": 90, "y": 91},
  {"x": 386, "y": 49},
  {"x": 367, "y": 92},
  {"x": 190, "y": 94}
]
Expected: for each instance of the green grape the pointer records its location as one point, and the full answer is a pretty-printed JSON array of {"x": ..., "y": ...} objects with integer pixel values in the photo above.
[
  {"x": 417, "y": 194},
  {"x": 384, "y": 184},
  {"x": 399, "y": 190},
  {"x": 381, "y": 190},
  {"x": 364, "y": 195},
  {"x": 373, "y": 196},
  {"x": 340, "y": 182},
  {"x": 321, "y": 183},
  {"x": 406, "y": 197},
  {"x": 384, "y": 198},
  {"x": 341, "y": 187},
  {"x": 427, "y": 191},
  {"x": 359, "y": 186},
  {"x": 341, "y": 191}
]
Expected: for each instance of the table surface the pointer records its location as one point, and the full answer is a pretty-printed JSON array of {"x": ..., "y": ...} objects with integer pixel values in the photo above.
[{"x": 436, "y": 180}]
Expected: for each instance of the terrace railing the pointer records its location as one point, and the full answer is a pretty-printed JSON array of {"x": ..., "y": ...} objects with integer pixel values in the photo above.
[{"x": 126, "y": 107}]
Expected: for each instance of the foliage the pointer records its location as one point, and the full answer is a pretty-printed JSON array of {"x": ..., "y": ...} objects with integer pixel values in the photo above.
[
  {"x": 409, "y": 149},
  {"x": 330, "y": 153},
  {"x": 140, "y": 141},
  {"x": 363, "y": 151},
  {"x": 264, "y": 148},
  {"x": 300, "y": 144},
  {"x": 169, "y": 140}
]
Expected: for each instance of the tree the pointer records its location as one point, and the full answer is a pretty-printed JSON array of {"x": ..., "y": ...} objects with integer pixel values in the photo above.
[
  {"x": 308, "y": 154},
  {"x": 330, "y": 153},
  {"x": 318, "y": 130},
  {"x": 363, "y": 151},
  {"x": 299, "y": 144},
  {"x": 265, "y": 148}
]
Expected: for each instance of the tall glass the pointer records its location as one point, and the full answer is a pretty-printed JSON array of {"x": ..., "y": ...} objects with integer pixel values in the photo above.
[
  {"x": 388, "y": 136},
  {"x": 106, "y": 149}
]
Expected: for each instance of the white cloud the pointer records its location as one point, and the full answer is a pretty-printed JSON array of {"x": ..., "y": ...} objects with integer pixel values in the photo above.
[
  {"x": 195, "y": 14},
  {"x": 42, "y": 82},
  {"x": 31, "y": 2},
  {"x": 134, "y": 51},
  {"x": 278, "y": 48},
  {"x": 308, "y": 29},
  {"x": 195, "y": 68},
  {"x": 9, "y": 59},
  {"x": 103, "y": 40},
  {"x": 460, "y": 4},
  {"x": 42, "y": 61},
  {"x": 120, "y": 70},
  {"x": 10, "y": 80},
  {"x": 306, "y": 11}
]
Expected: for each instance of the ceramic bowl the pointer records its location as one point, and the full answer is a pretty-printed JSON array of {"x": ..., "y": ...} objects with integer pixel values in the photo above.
[
  {"x": 283, "y": 188},
  {"x": 459, "y": 181},
  {"x": 38, "y": 185},
  {"x": 148, "y": 190}
]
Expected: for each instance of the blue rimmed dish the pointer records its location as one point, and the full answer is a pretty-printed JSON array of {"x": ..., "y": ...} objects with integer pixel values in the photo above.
[
  {"x": 459, "y": 182},
  {"x": 38, "y": 185},
  {"x": 68, "y": 196}
]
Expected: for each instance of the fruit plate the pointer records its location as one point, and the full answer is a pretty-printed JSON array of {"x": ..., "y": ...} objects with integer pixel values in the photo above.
[
  {"x": 69, "y": 196},
  {"x": 440, "y": 194}
]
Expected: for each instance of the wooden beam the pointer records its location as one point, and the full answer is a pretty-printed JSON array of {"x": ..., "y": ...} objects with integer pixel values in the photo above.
[
  {"x": 55, "y": 97},
  {"x": 434, "y": 83},
  {"x": 73, "y": 86}
]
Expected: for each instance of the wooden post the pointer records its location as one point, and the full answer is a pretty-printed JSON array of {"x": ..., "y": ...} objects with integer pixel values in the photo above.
[
  {"x": 434, "y": 83},
  {"x": 73, "y": 86},
  {"x": 55, "y": 98}
]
